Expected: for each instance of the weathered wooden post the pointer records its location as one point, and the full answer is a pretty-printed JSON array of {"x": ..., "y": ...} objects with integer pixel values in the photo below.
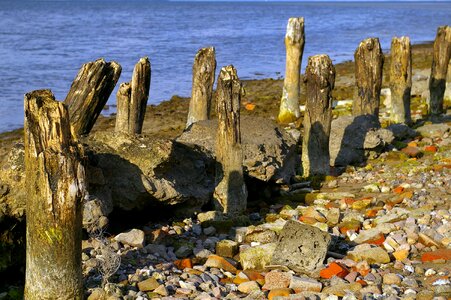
[
  {"x": 132, "y": 99},
  {"x": 89, "y": 93},
  {"x": 55, "y": 182},
  {"x": 294, "y": 44},
  {"x": 123, "y": 99},
  {"x": 440, "y": 61},
  {"x": 400, "y": 79},
  {"x": 369, "y": 62},
  {"x": 320, "y": 79},
  {"x": 230, "y": 195},
  {"x": 204, "y": 68}
]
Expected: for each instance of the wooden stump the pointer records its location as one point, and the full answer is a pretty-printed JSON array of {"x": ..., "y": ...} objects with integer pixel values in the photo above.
[
  {"x": 55, "y": 182},
  {"x": 369, "y": 62},
  {"x": 400, "y": 79},
  {"x": 440, "y": 61},
  {"x": 123, "y": 98},
  {"x": 89, "y": 93},
  {"x": 294, "y": 44},
  {"x": 204, "y": 68},
  {"x": 320, "y": 80},
  {"x": 132, "y": 99},
  {"x": 230, "y": 194}
]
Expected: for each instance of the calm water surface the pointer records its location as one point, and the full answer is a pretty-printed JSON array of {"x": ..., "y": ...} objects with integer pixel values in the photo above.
[{"x": 43, "y": 44}]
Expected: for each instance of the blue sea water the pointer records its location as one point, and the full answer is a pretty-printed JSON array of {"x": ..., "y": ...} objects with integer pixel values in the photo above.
[{"x": 44, "y": 43}]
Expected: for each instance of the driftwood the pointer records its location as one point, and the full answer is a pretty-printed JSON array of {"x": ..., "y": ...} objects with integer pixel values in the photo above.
[
  {"x": 204, "y": 68},
  {"x": 440, "y": 61},
  {"x": 89, "y": 93},
  {"x": 55, "y": 182},
  {"x": 230, "y": 193},
  {"x": 320, "y": 79},
  {"x": 294, "y": 44},
  {"x": 132, "y": 99},
  {"x": 369, "y": 61},
  {"x": 400, "y": 79}
]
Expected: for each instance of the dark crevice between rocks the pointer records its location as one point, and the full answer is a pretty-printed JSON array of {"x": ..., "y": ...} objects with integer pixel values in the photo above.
[{"x": 12, "y": 256}]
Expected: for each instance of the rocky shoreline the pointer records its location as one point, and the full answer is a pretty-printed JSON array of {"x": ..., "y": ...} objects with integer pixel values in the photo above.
[{"x": 388, "y": 215}]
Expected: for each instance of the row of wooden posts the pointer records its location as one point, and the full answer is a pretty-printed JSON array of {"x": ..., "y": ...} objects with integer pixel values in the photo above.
[{"x": 55, "y": 176}]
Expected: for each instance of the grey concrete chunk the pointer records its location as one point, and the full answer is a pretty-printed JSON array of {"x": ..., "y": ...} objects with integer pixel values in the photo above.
[{"x": 301, "y": 247}]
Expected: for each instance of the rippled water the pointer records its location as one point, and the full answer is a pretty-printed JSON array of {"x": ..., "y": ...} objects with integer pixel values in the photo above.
[{"x": 43, "y": 44}]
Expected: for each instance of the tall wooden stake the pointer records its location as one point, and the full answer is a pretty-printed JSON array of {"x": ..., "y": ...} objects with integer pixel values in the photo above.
[
  {"x": 89, "y": 93},
  {"x": 132, "y": 99},
  {"x": 204, "y": 68},
  {"x": 369, "y": 61},
  {"x": 440, "y": 61},
  {"x": 320, "y": 78},
  {"x": 230, "y": 194},
  {"x": 400, "y": 79},
  {"x": 55, "y": 181},
  {"x": 294, "y": 44}
]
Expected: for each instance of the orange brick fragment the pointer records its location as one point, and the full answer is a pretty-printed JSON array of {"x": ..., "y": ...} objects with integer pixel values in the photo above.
[
  {"x": 398, "y": 190},
  {"x": 255, "y": 276},
  {"x": 284, "y": 292},
  {"x": 362, "y": 282},
  {"x": 334, "y": 269},
  {"x": 307, "y": 220},
  {"x": 349, "y": 201},
  {"x": 249, "y": 106},
  {"x": 431, "y": 148},
  {"x": 183, "y": 263},
  {"x": 444, "y": 254},
  {"x": 377, "y": 241},
  {"x": 371, "y": 213}
]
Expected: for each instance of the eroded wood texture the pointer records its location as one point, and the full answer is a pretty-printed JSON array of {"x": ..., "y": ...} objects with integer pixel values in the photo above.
[
  {"x": 89, "y": 93},
  {"x": 204, "y": 68},
  {"x": 55, "y": 181},
  {"x": 230, "y": 195},
  {"x": 320, "y": 80},
  {"x": 132, "y": 98},
  {"x": 369, "y": 61},
  {"x": 294, "y": 45},
  {"x": 400, "y": 79},
  {"x": 440, "y": 61}
]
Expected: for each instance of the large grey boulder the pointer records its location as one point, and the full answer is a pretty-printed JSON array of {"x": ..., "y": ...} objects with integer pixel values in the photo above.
[
  {"x": 301, "y": 248},
  {"x": 269, "y": 152},
  {"x": 137, "y": 171},
  {"x": 351, "y": 139}
]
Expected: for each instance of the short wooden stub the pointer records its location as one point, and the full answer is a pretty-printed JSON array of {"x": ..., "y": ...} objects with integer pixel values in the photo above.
[
  {"x": 400, "y": 79},
  {"x": 294, "y": 44},
  {"x": 89, "y": 93},
  {"x": 132, "y": 99},
  {"x": 440, "y": 61},
  {"x": 123, "y": 98},
  {"x": 320, "y": 79},
  {"x": 230, "y": 195},
  {"x": 369, "y": 62},
  {"x": 55, "y": 181},
  {"x": 204, "y": 68}
]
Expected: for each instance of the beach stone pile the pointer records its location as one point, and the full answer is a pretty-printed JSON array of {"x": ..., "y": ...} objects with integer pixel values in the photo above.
[{"x": 380, "y": 231}]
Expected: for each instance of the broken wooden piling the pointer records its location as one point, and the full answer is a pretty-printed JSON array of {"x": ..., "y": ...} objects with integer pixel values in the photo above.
[
  {"x": 89, "y": 93},
  {"x": 55, "y": 182},
  {"x": 294, "y": 44},
  {"x": 440, "y": 60},
  {"x": 230, "y": 195},
  {"x": 369, "y": 61},
  {"x": 400, "y": 79},
  {"x": 320, "y": 80},
  {"x": 131, "y": 99},
  {"x": 204, "y": 68}
]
